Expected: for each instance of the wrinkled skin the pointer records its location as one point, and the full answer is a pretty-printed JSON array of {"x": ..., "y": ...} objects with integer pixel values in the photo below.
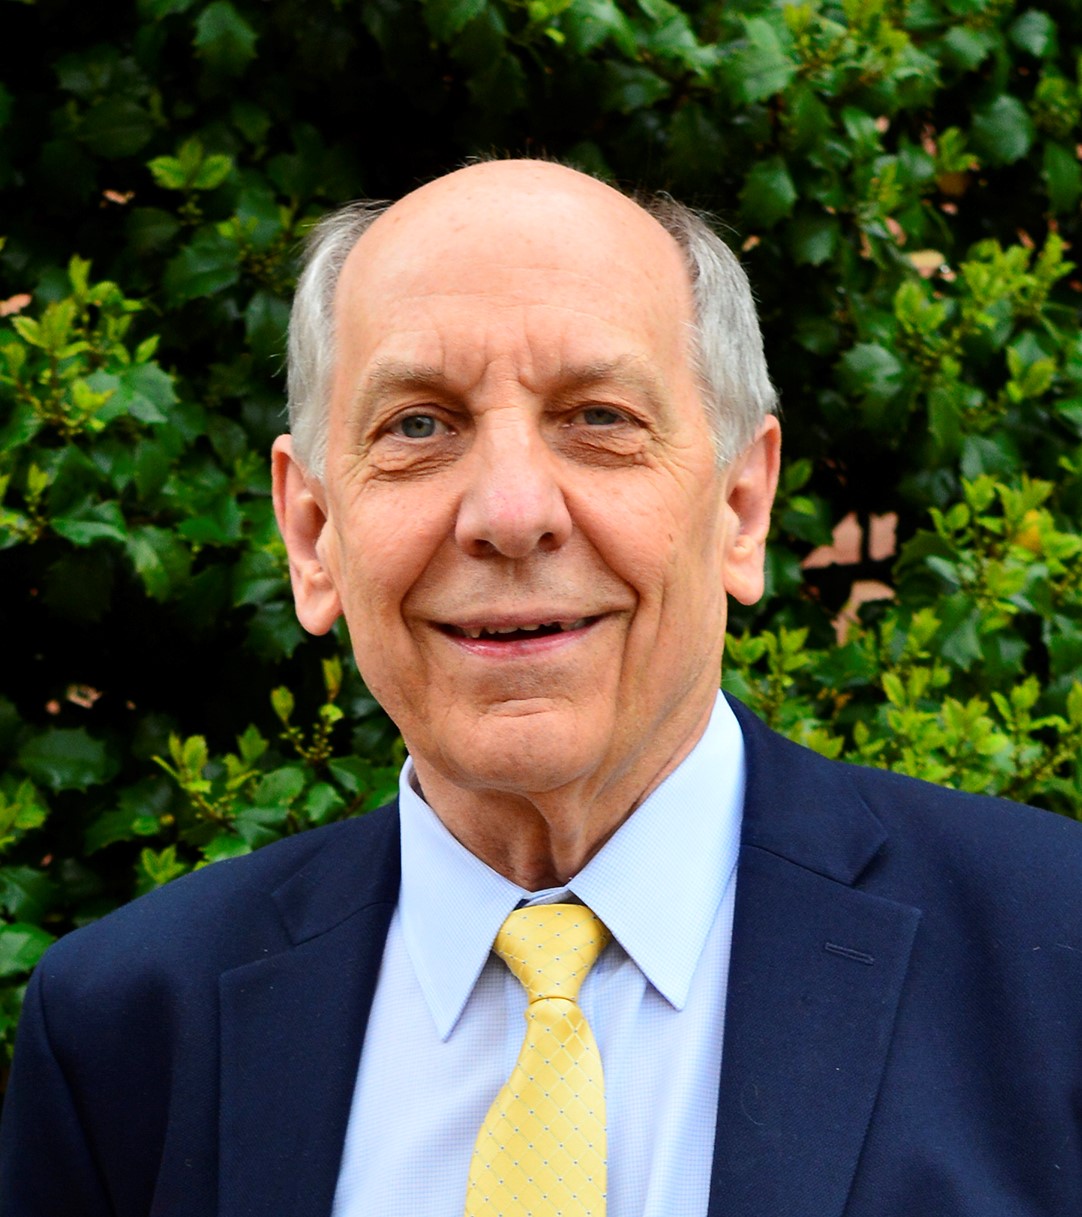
[{"x": 516, "y": 440}]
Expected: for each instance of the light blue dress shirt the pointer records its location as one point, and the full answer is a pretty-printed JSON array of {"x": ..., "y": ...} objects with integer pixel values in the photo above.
[{"x": 447, "y": 1019}]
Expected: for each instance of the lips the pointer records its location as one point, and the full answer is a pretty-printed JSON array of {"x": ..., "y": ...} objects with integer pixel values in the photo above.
[{"x": 517, "y": 630}]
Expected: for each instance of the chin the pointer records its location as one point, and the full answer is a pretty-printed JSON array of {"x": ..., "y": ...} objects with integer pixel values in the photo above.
[{"x": 532, "y": 753}]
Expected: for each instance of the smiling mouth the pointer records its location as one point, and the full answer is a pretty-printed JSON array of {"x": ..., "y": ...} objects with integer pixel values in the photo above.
[{"x": 513, "y": 633}]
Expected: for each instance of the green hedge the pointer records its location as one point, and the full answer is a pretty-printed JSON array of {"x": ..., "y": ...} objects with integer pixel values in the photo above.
[{"x": 903, "y": 180}]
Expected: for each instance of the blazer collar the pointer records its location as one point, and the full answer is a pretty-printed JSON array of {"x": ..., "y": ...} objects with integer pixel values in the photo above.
[
  {"x": 816, "y": 976},
  {"x": 292, "y": 1025},
  {"x": 800, "y": 806}
]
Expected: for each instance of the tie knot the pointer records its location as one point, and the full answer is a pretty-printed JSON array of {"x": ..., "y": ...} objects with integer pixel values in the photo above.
[{"x": 551, "y": 947}]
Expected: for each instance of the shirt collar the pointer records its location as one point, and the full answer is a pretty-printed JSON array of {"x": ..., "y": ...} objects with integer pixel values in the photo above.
[{"x": 639, "y": 883}]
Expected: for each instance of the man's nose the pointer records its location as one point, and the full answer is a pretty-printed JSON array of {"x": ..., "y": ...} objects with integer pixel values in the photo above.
[{"x": 513, "y": 502}]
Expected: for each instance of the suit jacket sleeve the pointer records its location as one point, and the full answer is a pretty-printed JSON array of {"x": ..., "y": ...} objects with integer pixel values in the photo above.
[{"x": 46, "y": 1164}]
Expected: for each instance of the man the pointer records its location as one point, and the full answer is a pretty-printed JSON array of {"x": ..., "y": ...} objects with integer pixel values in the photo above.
[{"x": 532, "y": 454}]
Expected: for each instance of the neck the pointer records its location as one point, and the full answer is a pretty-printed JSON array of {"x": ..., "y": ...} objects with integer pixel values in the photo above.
[{"x": 541, "y": 839}]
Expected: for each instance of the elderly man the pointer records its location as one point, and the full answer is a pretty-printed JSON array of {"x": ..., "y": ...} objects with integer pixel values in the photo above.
[{"x": 532, "y": 453}]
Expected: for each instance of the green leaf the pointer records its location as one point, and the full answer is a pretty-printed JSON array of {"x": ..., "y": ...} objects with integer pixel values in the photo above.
[
  {"x": 695, "y": 143},
  {"x": 191, "y": 168},
  {"x": 212, "y": 172},
  {"x": 353, "y": 773},
  {"x": 872, "y": 370},
  {"x": 960, "y": 630},
  {"x": 860, "y": 127},
  {"x": 627, "y": 88},
  {"x": 384, "y": 787},
  {"x": 25, "y": 893},
  {"x": 21, "y": 428},
  {"x": 66, "y": 759},
  {"x": 281, "y": 786},
  {"x": 194, "y": 753},
  {"x": 266, "y": 320},
  {"x": 282, "y": 702},
  {"x": 168, "y": 172},
  {"x": 147, "y": 392},
  {"x": 1035, "y": 32},
  {"x": 769, "y": 194},
  {"x": 589, "y": 23},
  {"x": 225, "y": 845},
  {"x": 150, "y": 229},
  {"x": 257, "y": 578},
  {"x": 116, "y": 127},
  {"x": 813, "y": 238},
  {"x": 807, "y": 119},
  {"x": 252, "y": 121},
  {"x": 223, "y": 39},
  {"x": 92, "y": 522},
  {"x": 323, "y": 803},
  {"x": 1063, "y": 177},
  {"x": 672, "y": 37},
  {"x": 967, "y": 47},
  {"x": 21, "y": 946},
  {"x": 152, "y": 466},
  {"x": 158, "y": 867},
  {"x": 157, "y": 9},
  {"x": 139, "y": 811},
  {"x": 21, "y": 808},
  {"x": 261, "y": 825},
  {"x": 219, "y": 524},
  {"x": 1003, "y": 131},
  {"x": 122, "y": 824},
  {"x": 764, "y": 67},
  {"x": 274, "y": 632},
  {"x": 29, "y": 330},
  {"x": 209, "y": 264},
  {"x": 160, "y": 558},
  {"x": 91, "y": 73},
  {"x": 446, "y": 18},
  {"x": 141, "y": 391}
]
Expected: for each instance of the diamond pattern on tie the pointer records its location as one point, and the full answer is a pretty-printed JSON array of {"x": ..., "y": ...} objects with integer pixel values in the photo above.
[{"x": 541, "y": 1151}]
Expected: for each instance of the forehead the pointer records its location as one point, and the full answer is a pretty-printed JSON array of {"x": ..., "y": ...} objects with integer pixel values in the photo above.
[{"x": 515, "y": 253}]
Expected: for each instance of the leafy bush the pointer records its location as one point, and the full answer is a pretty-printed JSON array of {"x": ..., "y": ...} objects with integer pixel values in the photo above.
[{"x": 903, "y": 180}]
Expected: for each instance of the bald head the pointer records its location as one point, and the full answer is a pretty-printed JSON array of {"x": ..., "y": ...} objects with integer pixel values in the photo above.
[
  {"x": 512, "y": 184},
  {"x": 521, "y": 209},
  {"x": 526, "y": 216}
]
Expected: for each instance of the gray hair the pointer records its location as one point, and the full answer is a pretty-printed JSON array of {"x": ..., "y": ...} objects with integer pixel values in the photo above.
[
  {"x": 311, "y": 326},
  {"x": 727, "y": 346}
]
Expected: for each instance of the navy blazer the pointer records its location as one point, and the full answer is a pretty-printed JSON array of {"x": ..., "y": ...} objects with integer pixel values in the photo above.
[{"x": 902, "y": 1039}]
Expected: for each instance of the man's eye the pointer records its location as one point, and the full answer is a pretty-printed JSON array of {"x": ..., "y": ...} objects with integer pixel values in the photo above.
[
  {"x": 600, "y": 416},
  {"x": 417, "y": 426}
]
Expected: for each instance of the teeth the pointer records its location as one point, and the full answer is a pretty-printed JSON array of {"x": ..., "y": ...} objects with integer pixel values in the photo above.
[{"x": 524, "y": 629}]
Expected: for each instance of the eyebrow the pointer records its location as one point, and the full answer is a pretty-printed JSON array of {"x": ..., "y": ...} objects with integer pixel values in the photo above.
[
  {"x": 625, "y": 369},
  {"x": 390, "y": 376}
]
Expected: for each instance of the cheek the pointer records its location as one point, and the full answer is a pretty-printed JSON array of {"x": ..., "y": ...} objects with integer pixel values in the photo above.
[
  {"x": 380, "y": 550},
  {"x": 668, "y": 547}
]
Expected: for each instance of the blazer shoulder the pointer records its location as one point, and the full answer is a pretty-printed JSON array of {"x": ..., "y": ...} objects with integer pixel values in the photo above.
[
  {"x": 851, "y": 821},
  {"x": 238, "y": 909}
]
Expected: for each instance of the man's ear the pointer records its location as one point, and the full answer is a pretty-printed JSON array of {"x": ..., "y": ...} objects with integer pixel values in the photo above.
[
  {"x": 300, "y": 507},
  {"x": 751, "y": 482}
]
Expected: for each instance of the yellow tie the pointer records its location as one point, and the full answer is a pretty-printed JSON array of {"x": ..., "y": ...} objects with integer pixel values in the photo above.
[{"x": 541, "y": 1150}]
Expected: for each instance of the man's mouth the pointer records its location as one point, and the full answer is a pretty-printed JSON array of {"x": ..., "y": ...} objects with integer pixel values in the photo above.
[{"x": 512, "y": 633}]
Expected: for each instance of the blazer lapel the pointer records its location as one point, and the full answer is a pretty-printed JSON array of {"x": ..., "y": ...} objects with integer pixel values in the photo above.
[
  {"x": 815, "y": 977},
  {"x": 292, "y": 1027}
]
